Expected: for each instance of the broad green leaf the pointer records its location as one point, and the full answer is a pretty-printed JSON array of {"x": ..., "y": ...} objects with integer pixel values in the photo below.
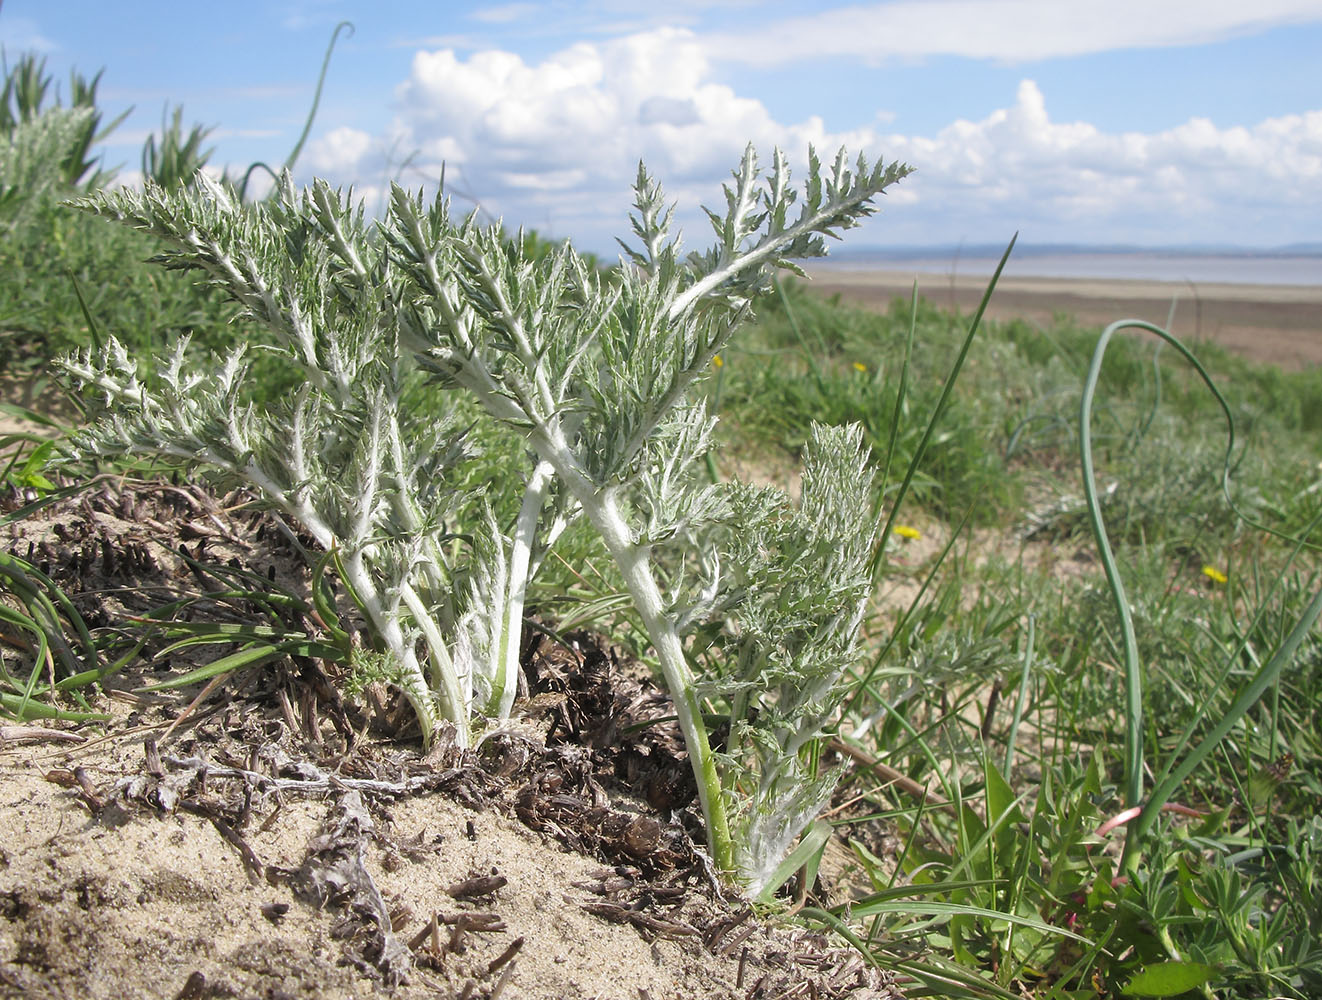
[{"x": 1169, "y": 979}]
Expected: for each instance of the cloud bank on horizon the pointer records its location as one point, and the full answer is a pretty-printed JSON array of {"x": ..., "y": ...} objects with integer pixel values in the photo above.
[{"x": 540, "y": 111}]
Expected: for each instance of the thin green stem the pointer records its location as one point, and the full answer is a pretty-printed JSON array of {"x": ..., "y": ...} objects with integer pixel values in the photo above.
[
  {"x": 937, "y": 411},
  {"x": 1022, "y": 697}
]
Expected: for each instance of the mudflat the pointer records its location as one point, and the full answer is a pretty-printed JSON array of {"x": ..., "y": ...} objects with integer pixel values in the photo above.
[{"x": 1274, "y": 324}]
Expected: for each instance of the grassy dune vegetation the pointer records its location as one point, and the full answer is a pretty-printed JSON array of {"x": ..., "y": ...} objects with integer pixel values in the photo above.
[
  {"x": 1001, "y": 685},
  {"x": 1068, "y": 771}
]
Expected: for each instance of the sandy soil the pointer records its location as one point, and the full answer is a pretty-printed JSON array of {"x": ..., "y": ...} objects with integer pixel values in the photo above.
[
  {"x": 262, "y": 839},
  {"x": 1274, "y": 324},
  {"x": 105, "y": 894}
]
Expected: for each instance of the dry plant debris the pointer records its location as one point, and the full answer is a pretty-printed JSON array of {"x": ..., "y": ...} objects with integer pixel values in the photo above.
[{"x": 263, "y": 845}]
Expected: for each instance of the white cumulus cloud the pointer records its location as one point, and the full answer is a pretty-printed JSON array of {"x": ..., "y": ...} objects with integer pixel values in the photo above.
[
  {"x": 1071, "y": 181},
  {"x": 555, "y": 145},
  {"x": 341, "y": 151}
]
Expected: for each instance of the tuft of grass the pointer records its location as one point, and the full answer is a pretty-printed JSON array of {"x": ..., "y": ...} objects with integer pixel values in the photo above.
[
  {"x": 812, "y": 360},
  {"x": 1031, "y": 866}
]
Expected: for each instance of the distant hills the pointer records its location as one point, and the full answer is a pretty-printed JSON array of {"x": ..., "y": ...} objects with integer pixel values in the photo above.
[{"x": 954, "y": 251}]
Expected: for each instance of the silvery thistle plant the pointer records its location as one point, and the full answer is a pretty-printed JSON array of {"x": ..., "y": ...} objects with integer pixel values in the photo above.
[
  {"x": 751, "y": 603},
  {"x": 373, "y": 483},
  {"x": 600, "y": 373}
]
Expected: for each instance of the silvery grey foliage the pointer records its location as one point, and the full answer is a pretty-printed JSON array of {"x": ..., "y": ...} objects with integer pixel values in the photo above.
[
  {"x": 796, "y": 591},
  {"x": 598, "y": 373},
  {"x": 344, "y": 455}
]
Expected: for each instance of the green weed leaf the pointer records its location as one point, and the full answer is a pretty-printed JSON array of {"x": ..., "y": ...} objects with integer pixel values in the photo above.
[{"x": 1169, "y": 979}]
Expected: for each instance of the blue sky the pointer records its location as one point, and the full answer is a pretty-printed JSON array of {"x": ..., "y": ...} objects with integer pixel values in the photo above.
[{"x": 1154, "y": 123}]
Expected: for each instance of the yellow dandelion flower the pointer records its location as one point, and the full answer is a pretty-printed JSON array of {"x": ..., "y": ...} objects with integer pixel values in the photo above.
[
  {"x": 904, "y": 531},
  {"x": 717, "y": 362},
  {"x": 1214, "y": 574},
  {"x": 859, "y": 366}
]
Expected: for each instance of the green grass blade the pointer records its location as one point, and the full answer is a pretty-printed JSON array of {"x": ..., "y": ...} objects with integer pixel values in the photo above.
[
  {"x": 24, "y": 709},
  {"x": 938, "y": 410},
  {"x": 945, "y": 979},
  {"x": 1021, "y": 698},
  {"x": 93, "y": 330},
  {"x": 50, "y": 607},
  {"x": 806, "y": 854},
  {"x": 45, "y": 500},
  {"x": 880, "y": 658},
  {"x": 934, "y": 907},
  {"x": 88, "y": 677},
  {"x": 901, "y": 392},
  {"x": 878, "y": 901},
  {"x": 316, "y": 96},
  {"x": 1262, "y": 680},
  {"x": 254, "y": 656}
]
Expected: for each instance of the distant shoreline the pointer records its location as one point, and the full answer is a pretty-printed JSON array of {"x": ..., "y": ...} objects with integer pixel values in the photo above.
[
  {"x": 1278, "y": 324},
  {"x": 1234, "y": 268}
]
